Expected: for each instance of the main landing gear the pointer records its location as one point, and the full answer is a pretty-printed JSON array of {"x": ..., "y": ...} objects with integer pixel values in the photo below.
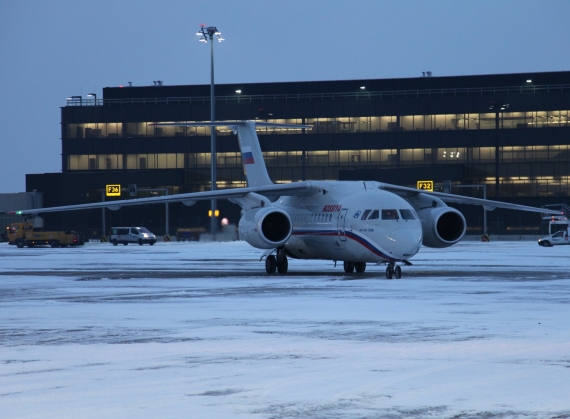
[
  {"x": 392, "y": 270},
  {"x": 277, "y": 263},
  {"x": 350, "y": 267}
]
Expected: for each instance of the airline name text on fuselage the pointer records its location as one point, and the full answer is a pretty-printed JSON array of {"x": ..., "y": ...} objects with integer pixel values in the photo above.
[{"x": 332, "y": 208}]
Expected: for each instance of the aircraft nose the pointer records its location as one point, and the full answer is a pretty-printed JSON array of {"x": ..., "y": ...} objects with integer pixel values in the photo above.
[{"x": 406, "y": 242}]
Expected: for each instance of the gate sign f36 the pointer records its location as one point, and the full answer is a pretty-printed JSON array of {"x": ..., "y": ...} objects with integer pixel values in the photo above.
[{"x": 113, "y": 190}]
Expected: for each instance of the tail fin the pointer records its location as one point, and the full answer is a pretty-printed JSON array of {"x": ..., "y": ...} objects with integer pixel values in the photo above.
[{"x": 252, "y": 158}]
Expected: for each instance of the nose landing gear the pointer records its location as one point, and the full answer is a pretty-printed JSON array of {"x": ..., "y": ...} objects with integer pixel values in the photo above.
[{"x": 392, "y": 270}]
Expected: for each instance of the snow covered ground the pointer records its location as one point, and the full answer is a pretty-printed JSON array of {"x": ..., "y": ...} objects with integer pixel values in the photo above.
[{"x": 198, "y": 330}]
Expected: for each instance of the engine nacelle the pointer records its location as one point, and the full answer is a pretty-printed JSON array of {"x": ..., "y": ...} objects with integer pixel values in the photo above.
[
  {"x": 265, "y": 228},
  {"x": 442, "y": 226}
]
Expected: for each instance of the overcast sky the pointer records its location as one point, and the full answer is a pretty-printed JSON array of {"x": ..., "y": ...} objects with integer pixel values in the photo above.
[{"x": 50, "y": 50}]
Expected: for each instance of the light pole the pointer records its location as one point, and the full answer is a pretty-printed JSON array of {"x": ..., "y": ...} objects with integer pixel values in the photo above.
[
  {"x": 498, "y": 108},
  {"x": 94, "y": 96},
  {"x": 208, "y": 34},
  {"x": 74, "y": 99}
]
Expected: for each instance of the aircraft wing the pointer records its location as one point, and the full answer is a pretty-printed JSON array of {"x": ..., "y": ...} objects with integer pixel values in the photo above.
[
  {"x": 276, "y": 190},
  {"x": 489, "y": 205}
]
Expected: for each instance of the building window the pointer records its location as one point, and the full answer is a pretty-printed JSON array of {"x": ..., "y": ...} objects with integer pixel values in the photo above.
[
  {"x": 450, "y": 155},
  {"x": 472, "y": 121}
]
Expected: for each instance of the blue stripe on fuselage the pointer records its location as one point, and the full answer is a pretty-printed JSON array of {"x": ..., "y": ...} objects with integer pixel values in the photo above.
[{"x": 359, "y": 239}]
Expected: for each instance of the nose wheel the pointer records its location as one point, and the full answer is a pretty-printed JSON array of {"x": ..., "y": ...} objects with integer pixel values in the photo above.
[{"x": 392, "y": 270}]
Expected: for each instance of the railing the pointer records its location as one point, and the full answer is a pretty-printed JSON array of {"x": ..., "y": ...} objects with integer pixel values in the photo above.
[{"x": 478, "y": 91}]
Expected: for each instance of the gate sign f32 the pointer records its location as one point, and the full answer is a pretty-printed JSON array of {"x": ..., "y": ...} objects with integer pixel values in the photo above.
[{"x": 425, "y": 185}]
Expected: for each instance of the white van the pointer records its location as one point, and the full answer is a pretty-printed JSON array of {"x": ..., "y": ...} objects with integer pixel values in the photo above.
[
  {"x": 127, "y": 235},
  {"x": 560, "y": 237}
]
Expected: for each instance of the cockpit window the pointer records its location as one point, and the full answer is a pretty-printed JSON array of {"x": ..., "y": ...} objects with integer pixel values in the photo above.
[
  {"x": 390, "y": 214},
  {"x": 365, "y": 215},
  {"x": 407, "y": 214},
  {"x": 375, "y": 215}
]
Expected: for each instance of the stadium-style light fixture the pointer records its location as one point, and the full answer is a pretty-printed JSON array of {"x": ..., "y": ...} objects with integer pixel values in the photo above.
[{"x": 208, "y": 33}]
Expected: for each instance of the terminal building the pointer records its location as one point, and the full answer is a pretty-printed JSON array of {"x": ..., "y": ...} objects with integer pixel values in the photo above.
[{"x": 505, "y": 134}]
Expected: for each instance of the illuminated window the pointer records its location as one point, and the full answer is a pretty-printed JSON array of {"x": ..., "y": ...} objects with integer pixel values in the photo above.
[{"x": 450, "y": 155}]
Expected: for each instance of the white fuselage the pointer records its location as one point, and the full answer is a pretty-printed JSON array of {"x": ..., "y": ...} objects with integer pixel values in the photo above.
[{"x": 352, "y": 221}]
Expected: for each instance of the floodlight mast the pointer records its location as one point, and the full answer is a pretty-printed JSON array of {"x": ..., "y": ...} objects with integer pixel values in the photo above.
[{"x": 208, "y": 34}]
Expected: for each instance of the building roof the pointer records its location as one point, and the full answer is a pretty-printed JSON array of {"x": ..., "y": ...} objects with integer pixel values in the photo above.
[{"x": 335, "y": 86}]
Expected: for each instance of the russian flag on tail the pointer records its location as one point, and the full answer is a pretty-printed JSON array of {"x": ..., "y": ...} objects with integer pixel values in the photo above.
[{"x": 247, "y": 155}]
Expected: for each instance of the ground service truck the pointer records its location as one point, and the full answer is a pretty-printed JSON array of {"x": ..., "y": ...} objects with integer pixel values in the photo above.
[{"x": 24, "y": 234}]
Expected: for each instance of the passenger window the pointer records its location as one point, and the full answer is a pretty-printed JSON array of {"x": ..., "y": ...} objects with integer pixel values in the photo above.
[
  {"x": 365, "y": 215},
  {"x": 134, "y": 231},
  {"x": 407, "y": 214},
  {"x": 390, "y": 214},
  {"x": 375, "y": 215}
]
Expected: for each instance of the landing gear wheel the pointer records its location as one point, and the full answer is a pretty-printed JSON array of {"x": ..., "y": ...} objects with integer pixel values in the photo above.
[
  {"x": 360, "y": 267},
  {"x": 389, "y": 272},
  {"x": 283, "y": 266},
  {"x": 115, "y": 242},
  {"x": 281, "y": 260},
  {"x": 348, "y": 267},
  {"x": 141, "y": 242},
  {"x": 270, "y": 264},
  {"x": 398, "y": 272}
]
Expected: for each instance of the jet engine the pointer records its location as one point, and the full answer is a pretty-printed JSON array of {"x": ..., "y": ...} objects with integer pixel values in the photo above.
[
  {"x": 265, "y": 227},
  {"x": 442, "y": 226}
]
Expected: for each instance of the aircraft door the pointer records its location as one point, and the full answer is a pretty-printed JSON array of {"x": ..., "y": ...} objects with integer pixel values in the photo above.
[
  {"x": 558, "y": 237},
  {"x": 341, "y": 225}
]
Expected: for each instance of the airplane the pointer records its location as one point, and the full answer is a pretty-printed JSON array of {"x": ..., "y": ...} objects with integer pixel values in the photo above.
[{"x": 356, "y": 222}]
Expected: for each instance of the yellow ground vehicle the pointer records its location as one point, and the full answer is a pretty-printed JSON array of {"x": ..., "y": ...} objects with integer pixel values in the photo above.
[{"x": 24, "y": 234}]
